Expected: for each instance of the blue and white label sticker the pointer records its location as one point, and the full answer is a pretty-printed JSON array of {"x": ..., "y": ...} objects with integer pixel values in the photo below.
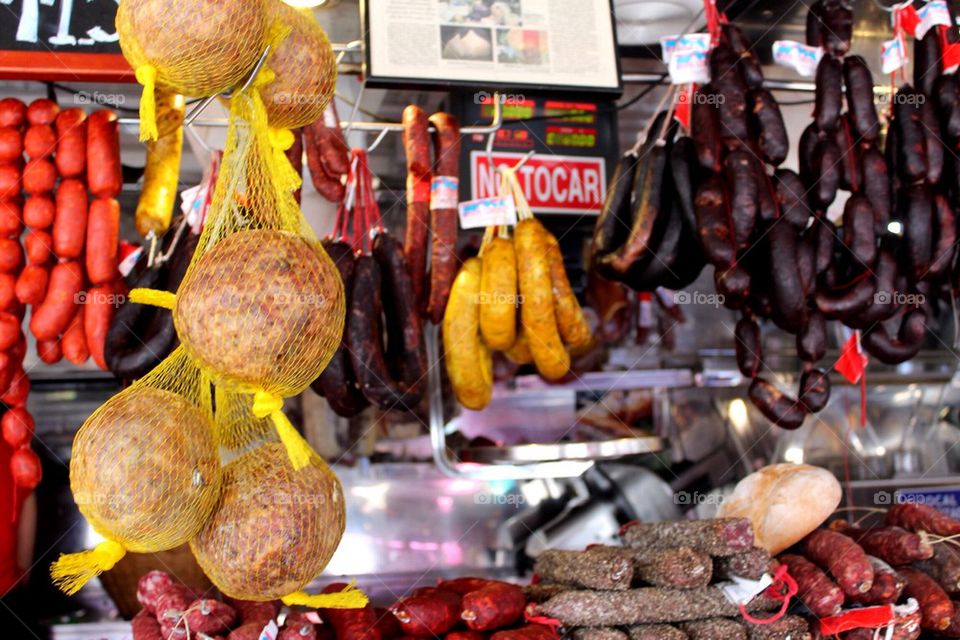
[
  {"x": 486, "y": 212},
  {"x": 270, "y": 632},
  {"x": 687, "y": 66},
  {"x": 945, "y": 499},
  {"x": 798, "y": 56},
  {"x": 127, "y": 264},
  {"x": 444, "y": 192},
  {"x": 686, "y": 42},
  {"x": 932, "y": 14},
  {"x": 893, "y": 55}
]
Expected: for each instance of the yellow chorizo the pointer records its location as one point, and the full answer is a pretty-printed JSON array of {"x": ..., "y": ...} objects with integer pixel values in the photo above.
[
  {"x": 574, "y": 328},
  {"x": 162, "y": 171},
  {"x": 469, "y": 361},
  {"x": 536, "y": 300},
  {"x": 519, "y": 352},
  {"x": 498, "y": 294}
]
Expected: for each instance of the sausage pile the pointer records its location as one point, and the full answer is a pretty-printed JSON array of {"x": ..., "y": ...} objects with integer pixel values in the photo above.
[
  {"x": 660, "y": 584},
  {"x": 328, "y": 157},
  {"x": 903, "y": 557},
  {"x": 381, "y": 359},
  {"x": 524, "y": 272},
  {"x": 66, "y": 267}
]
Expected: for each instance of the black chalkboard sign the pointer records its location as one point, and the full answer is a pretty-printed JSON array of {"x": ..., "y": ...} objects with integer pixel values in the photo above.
[{"x": 60, "y": 40}]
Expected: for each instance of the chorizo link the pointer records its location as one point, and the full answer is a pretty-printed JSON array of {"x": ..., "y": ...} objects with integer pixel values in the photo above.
[
  {"x": 416, "y": 144},
  {"x": 443, "y": 217}
]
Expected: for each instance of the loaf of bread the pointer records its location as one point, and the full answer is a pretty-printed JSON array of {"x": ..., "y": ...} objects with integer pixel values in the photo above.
[{"x": 784, "y": 502}]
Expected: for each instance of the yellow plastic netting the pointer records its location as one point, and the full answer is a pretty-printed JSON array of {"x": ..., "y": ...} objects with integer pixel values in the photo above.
[
  {"x": 291, "y": 520},
  {"x": 304, "y": 68},
  {"x": 144, "y": 471},
  {"x": 194, "y": 47}
]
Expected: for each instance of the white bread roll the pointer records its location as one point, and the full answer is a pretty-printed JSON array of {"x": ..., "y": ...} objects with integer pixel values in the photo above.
[{"x": 784, "y": 502}]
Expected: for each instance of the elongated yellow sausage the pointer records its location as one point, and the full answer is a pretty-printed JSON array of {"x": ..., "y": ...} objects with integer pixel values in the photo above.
[
  {"x": 498, "y": 294},
  {"x": 519, "y": 353},
  {"x": 469, "y": 361},
  {"x": 536, "y": 303},
  {"x": 571, "y": 322},
  {"x": 162, "y": 171}
]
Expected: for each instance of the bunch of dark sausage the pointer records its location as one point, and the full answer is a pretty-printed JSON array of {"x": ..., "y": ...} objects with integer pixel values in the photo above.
[
  {"x": 431, "y": 220},
  {"x": 382, "y": 357},
  {"x": 897, "y": 559}
]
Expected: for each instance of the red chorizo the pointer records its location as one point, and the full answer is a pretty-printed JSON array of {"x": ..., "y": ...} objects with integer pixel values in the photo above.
[
  {"x": 821, "y": 595},
  {"x": 921, "y": 517},
  {"x": 416, "y": 143},
  {"x": 11, "y": 255},
  {"x": 18, "y": 389},
  {"x": 13, "y": 113},
  {"x": 71, "y": 155},
  {"x": 145, "y": 627},
  {"x": 351, "y": 624},
  {"x": 776, "y": 406},
  {"x": 98, "y": 310},
  {"x": 936, "y": 610},
  {"x": 8, "y": 286},
  {"x": 843, "y": 558},
  {"x": 887, "y": 587},
  {"x": 104, "y": 173},
  {"x": 11, "y": 145},
  {"x": 443, "y": 216},
  {"x": 38, "y": 244},
  {"x": 74, "y": 341},
  {"x": 10, "y": 221},
  {"x": 52, "y": 316},
  {"x": 31, "y": 287},
  {"x": 493, "y": 607},
  {"x": 103, "y": 240},
  {"x": 10, "y": 177},
  {"x": 429, "y": 613},
  {"x": 42, "y": 111},
  {"x": 70, "y": 223},
  {"x": 39, "y": 212},
  {"x": 39, "y": 176},
  {"x": 209, "y": 616},
  {"x": 39, "y": 141}
]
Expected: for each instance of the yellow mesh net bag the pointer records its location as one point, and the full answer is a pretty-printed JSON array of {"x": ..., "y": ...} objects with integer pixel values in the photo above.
[
  {"x": 291, "y": 521},
  {"x": 304, "y": 68},
  {"x": 145, "y": 471},
  {"x": 194, "y": 47}
]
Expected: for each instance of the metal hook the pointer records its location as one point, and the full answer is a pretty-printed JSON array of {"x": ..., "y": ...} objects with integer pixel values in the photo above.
[
  {"x": 356, "y": 107},
  {"x": 376, "y": 142},
  {"x": 195, "y": 113}
]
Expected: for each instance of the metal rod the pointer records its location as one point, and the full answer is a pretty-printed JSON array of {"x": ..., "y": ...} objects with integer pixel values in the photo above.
[{"x": 774, "y": 85}]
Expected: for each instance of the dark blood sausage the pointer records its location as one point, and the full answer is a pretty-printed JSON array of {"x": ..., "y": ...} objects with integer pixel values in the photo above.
[
  {"x": 876, "y": 186},
  {"x": 705, "y": 129},
  {"x": 842, "y": 558},
  {"x": 817, "y": 591},
  {"x": 850, "y": 176},
  {"x": 944, "y": 567},
  {"x": 365, "y": 339},
  {"x": 814, "y": 389},
  {"x": 847, "y": 301},
  {"x": 826, "y": 239},
  {"x": 680, "y": 567},
  {"x": 884, "y": 303},
  {"x": 734, "y": 285},
  {"x": 945, "y": 249},
  {"x": 351, "y": 624},
  {"x": 750, "y": 564},
  {"x": 859, "y": 231},
  {"x": 406, "y": 352},
  {"x": 732, "y": 95},
  {"x": 887, "y": 586},
  {"x": 749, "y": 66},
  {"x": 596, "y": 568},
  {"x": 926, "y": 62},
  {"x": 814, "y": 27},
  {"x": 742, "y": 179},
  {"x": 776, "y": 406},
  {"x": 837, "y": 28},
  {"x": 613, "y": 224},
  {"x": 921, "y": 517},
  {"x": 685, "y": 171},
  {"x": 826, "y": 173},
  {"x": 771, "y": 130},
  {"x": 932, "y": 144},
  {"x": 337, "y": 383},
  {"x": 717, "y": 536},
  {"x": 748, "y": 348},
  {"x": 948, "y": 104},
  {"x": 807, "y": 262},
  {"x": 911, "y": 141},
  {"x": 713, "y": 223},
  {"x": 829, "y": 96},
  {"x": 789, "y": 300},
  {"x": 791, "y": 196},
  {"x": 443, "y": 220},
  {"x": 493, "y": 607},
  {"x": 812, "y": 340},
  {"x": 429, "y": 613},
  {"x": 769, "y": 206},
  {"x": 806, "y": 153},
  {"x": 863, "y": 112},
  {"x": 416, "y": 144},
  {"x": 936, "y": 610},
  {"x": 906, "y": 345}
]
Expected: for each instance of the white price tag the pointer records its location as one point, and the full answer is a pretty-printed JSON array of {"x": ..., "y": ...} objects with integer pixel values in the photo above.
[
  {"x": 741, "y": 591},
  {"x": 893, "y": 55},
  {"x": 270, "y": 632},
  {"x": 798, "y": 56},
  {"x": 688, "y": 66},
  {"x": 686, "y": 42},
  {"x": 485, "y": 212},
  {"x": 444, "y": 192},
  {"x": 932, "y": 14},
  {"x": 127, "y": 264}
]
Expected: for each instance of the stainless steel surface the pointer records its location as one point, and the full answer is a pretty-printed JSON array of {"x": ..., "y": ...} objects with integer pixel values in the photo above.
[{"x": 528, "y": 453}]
